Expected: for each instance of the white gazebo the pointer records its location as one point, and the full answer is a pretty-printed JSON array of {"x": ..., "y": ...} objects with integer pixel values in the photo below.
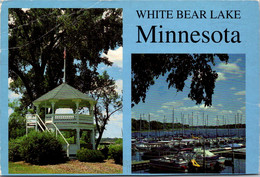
[{"x": 65, "y": 96}]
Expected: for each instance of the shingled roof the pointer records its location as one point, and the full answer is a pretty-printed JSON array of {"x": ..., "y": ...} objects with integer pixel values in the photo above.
[{"x": 63, "y": 92}]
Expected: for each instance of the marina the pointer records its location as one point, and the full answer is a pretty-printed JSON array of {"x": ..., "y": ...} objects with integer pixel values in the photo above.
[
  {"x": 189, "y": 151},
  {"x": 188, "y": 113}
]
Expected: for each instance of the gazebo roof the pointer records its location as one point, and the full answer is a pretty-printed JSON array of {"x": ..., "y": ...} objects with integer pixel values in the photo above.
[{"x": 64, "y": 95}]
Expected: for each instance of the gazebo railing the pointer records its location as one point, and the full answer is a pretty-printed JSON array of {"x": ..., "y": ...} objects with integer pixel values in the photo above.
[{"x": 67, "y": 118}]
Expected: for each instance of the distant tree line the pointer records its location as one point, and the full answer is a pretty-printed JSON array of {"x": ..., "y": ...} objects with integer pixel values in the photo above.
[{"x": 157, "y": 125}]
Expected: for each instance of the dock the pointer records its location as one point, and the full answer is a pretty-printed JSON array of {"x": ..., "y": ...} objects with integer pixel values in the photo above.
[
  {"x": 228, "y": 153},
  {"x": 141, "y": 165}
]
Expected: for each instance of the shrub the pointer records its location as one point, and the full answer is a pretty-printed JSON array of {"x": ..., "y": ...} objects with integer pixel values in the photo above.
[
  {"x": 105, "y": 151},
  {"x": 16, "y": 126},
  {"x": 119, "y": 141},
  {"x": 14, "y": 151},
  {"x": 88, "y": 155},
  {"x": 42, "y": 148},
  {"x": 116, "y": 152}
]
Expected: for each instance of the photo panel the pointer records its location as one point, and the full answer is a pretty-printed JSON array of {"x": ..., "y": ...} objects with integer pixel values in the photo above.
[{"x": 188, "y": 113}]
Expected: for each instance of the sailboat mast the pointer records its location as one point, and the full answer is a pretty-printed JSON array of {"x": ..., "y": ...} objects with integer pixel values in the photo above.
[
  {"x": 192, "y": 122},
  {"x": 149, "y": 126},
  {"x": 173, "y": 122},
  {"x": 217, "y": 128},
  {"x": 140, "y": 125},
  {"x": 203, "y": 123},
  {"x": 182, "y": 125},
  {"x": 207, "y": 122},
  {"x": 238, "y": 124},
  {"x": 197, "y": 124}
]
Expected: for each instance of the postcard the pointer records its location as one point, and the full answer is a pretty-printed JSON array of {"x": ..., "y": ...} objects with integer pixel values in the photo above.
[{"x": 129, "y": 87}]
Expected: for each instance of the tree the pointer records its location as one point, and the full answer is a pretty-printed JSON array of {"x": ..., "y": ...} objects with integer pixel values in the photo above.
[
  {"x": 108, "y": 102},
  {"x": 37, "y": 38},
  {"x": 179, "y": 67},
  {"x": 16, "y": 123}
]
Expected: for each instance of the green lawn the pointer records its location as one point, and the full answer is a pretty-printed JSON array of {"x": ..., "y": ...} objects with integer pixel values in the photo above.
[
  {"x": 71, "y": 167},
  {"x": 20, "y": 168}
]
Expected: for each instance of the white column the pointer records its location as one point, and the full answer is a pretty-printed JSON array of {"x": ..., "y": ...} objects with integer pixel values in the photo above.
[
  {"x": 91, "y": 110},
  {"x": 53, "y": 110},
  {"x": 36, "y": 118},
  {"x": 37, "y": 109},
  {"x": 77, "y": 111},
  {"x": 93, "y": 138},
  {"x": 78, "y": 138}
]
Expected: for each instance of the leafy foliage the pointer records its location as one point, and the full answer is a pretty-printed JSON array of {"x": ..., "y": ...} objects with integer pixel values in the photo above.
[
  {"x": 16, "y": 123},
  {"x": 119, "y": 141},
  {"x": 42, "y": 148},
  {"x": 116, "y": 152},
  {"x": 179, "y": 67},
  {"x": 14, "y": 150},
  {"x": 88, "y": 155}
]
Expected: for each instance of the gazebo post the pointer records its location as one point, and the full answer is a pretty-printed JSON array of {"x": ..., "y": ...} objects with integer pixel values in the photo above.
[
  {"x": 91, "y": 109},
  {"x": 77, "y": 111},
  {"x": 77, "y": 101},
  {"x": 78, "y": 138},
  {"x": 37, "y": 109},
  {"x": 37, "y": 112},
  {"x": 93, "y": 138},
  {"x": 53, "y": 111}
]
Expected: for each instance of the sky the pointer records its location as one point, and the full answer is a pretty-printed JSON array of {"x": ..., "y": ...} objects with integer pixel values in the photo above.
[
  {"x": 228, "y": 98},
  {"x": 114, "y": 126}
]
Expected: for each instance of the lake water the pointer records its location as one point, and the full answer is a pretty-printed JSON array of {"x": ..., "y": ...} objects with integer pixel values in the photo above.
[{"x": 211, "y": 133}]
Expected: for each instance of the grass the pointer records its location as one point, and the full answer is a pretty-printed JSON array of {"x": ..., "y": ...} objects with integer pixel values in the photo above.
[{"x": 71, "y": 167}]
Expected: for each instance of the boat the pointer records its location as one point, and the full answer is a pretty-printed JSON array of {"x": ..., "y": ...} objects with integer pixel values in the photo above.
[{"x": 171, "y": 163}]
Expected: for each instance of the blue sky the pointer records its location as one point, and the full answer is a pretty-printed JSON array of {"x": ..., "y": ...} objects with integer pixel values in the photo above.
[
  {"x": 228, "y": 99},
  {"x": 114, "y": 126}
]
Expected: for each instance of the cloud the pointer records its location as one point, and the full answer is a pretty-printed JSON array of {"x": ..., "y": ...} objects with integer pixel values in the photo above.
[
  {"x": 10, "y": 80},
  {"x": 160, "y": 111},
  {"x": 231, "y": 68},
  {"x": 117, "y": 117},
  {"x": 115, "y": 126},
  {"x": 186, "y": 99},
  {"x": 240, "y": 112},
  {"x": 119, "y": 84},
  {"x": 171, "y": 105},
  {"x": 241, "y": 92},
  {"x": 220, "y": 105},
  {"x": 226, "y": 112},
  {"x": 243, "y": 108},
  {"x": 239, "y": 99},
  {"x": 116, "y": 56},
  {"x": 10, "y": 111},
  {"x": 13, "y": 95},
  {"x": 199, "y": 108},
  {"x": 238, "y": 60},
  {"x": 221, "y": 77},
  {"x": 233, "y": 88}
]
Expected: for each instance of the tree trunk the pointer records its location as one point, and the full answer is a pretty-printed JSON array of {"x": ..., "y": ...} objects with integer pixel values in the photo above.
[{"x": 100, "y": 134}]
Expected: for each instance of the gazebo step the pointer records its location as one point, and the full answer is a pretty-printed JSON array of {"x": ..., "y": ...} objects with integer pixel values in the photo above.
[{"x": 31, "y": 126}]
